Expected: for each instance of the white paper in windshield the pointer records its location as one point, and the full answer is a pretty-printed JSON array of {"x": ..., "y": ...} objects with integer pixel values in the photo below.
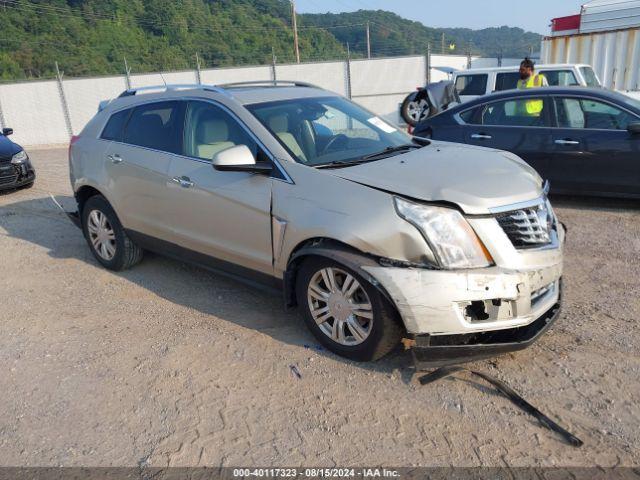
[{"x": 381, "y": 124}]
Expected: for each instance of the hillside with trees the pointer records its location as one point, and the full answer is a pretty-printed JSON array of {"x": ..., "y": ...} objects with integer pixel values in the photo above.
[{"x": 93, "y": 37}]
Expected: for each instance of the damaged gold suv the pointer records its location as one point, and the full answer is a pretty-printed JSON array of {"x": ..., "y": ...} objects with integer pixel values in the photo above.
[{"x": 376, "y": 236}]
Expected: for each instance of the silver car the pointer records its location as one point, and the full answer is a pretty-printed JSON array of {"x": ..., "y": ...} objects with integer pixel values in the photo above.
[{"x": 376, "y": 236}]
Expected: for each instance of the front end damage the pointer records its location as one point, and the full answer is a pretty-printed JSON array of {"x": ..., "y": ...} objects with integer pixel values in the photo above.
[{"x": 456, "y": 316}]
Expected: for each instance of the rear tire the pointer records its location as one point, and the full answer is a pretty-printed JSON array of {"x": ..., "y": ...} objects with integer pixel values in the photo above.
[
  {"x": 414, "y": 110},
  {"x": 367, "y": 325},
  {"x": 106, "y": 237}
]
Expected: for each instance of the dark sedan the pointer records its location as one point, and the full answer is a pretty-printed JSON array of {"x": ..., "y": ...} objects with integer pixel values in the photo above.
[
  {"x": 15, "y": 168},
  {"x": 584, "y": 141}
]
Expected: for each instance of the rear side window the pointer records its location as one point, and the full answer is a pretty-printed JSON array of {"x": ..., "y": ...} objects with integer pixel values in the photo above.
[
  {"x": 157, "y": 125},
  {"x": 560, "y": 78},
  {"x": 472, "y": 84},
  {"x": 589, "y": 77},
  {"x": 507, "y": 81},
  {"x": 114, "y": 130},
  {"x": 515, "y": 113}
]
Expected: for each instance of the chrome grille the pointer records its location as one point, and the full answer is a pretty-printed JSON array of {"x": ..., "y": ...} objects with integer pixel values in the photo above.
[{"x": 528, "y": 227}]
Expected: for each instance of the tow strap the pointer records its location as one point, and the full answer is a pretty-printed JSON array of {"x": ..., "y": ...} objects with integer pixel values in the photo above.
[{"x": 510, "y": 394}]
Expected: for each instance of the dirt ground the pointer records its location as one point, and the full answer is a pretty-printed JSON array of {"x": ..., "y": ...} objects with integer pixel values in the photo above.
[{"x": 167, "y": 364}]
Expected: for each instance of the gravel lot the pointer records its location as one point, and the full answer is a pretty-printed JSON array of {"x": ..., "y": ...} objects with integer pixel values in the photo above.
[{"x": 168, "y": 364}]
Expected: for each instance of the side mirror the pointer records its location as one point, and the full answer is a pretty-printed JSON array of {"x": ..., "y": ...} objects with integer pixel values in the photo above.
[
  {"x": 239, "y": 159},
  {"x": 634, "y": 128},
  {"x": 7, "y": 131}
]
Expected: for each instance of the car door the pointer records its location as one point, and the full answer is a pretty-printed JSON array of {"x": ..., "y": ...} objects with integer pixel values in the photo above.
[
  {"x": 137, "y": 164},
  {"x": 506, "y": 125},
  {"x": 224, "y": 215},
  {"x": 593, "y": 151}
]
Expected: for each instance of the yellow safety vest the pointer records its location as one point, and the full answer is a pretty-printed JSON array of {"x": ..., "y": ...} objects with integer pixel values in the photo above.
[{"x": 531, "y": 107}]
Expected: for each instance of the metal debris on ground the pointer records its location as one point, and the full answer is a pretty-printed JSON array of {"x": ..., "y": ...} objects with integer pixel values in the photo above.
[
  {"x": 295, "y": 372},
  {"x": 511, "y": 395}
]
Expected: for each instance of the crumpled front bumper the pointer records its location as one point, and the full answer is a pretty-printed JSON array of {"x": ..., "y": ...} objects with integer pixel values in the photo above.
[
  {"x": 438, "y": 351},
  {"x": 438, "y": 302}
]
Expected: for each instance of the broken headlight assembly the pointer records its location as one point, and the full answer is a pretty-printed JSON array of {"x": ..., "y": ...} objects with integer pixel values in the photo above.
[
  {"x": 447, "y": 233},
  {"x": 19, "y": 158}
]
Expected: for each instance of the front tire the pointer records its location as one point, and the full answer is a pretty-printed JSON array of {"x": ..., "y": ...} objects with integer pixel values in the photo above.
[
  {"x": 106, "y": 237},
  {"x": 347, "y": 314}
]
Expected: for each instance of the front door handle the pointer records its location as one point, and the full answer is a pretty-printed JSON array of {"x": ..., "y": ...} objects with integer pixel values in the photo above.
[
  {"x": 481, "y": 136},
  {"x": 567, "y": 142},
  {"x": 184, "y": 182},
  {"x": 115, "y": 158}
]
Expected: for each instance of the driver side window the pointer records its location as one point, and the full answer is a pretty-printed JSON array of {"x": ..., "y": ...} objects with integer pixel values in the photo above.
[{"x": 209, "y": 130}]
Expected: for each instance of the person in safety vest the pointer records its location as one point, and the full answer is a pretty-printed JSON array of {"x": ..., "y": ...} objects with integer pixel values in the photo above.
[{"x": 530, "y": 79}]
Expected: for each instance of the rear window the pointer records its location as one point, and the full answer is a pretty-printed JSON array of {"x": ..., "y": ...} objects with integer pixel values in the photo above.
[
  {"x": 590, "y": 77},
  {"x": 157, "y": 126},
  {"x": 114, "y": 130},
  {"x": 472, "y": 84},
  {"x": 560, "y": 78},
  {"x": 507, "y": 81}
]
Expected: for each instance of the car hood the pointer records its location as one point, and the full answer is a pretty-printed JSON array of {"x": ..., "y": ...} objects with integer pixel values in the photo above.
[
  {"x": 476, "y": 179},
  {"x": 7, "y": 148}
]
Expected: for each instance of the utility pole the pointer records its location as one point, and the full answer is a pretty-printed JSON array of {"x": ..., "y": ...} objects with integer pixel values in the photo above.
[
  {"x": 295, "y": 30},
  {"x": 368, "y": 41},
  {"x": 443, "y": 49}
]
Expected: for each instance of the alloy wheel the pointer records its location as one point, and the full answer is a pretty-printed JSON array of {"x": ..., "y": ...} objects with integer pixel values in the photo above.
[
  {"x": 101, "y": 235},
  {"x": 340, "y": 306}
]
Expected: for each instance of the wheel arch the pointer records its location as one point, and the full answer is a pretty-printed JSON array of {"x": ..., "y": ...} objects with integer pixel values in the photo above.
[
  {"x": 335, "y": 250},
  {"x": 84, "y": 193}
]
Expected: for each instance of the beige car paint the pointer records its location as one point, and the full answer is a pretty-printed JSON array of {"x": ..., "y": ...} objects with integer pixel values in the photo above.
[{"x": 259, "y": 222}]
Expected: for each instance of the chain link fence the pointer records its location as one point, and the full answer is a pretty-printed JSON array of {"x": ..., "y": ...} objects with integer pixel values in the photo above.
[{"x": 48, "y": 112}]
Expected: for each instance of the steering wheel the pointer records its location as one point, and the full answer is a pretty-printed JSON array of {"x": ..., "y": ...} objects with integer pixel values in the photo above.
[{"x": 338, "y": 141}]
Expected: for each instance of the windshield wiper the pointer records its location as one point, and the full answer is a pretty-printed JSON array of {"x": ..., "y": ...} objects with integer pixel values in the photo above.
[
  {"x": 369, "y": 158},
  {"x": 391, "y": 150}
]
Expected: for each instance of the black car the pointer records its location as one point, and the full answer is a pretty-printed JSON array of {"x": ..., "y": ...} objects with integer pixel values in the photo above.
[
  {"x": 584, "y": 141},
  {"x": 15, "y": 168}
]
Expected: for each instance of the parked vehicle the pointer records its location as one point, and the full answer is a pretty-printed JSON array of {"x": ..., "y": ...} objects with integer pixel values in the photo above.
[
  {"x": 473, "y": 83},
  {"x": 15, "y": 167},
  {"x": 584, "y": 141},
  {"x": 372, "y": 235}
]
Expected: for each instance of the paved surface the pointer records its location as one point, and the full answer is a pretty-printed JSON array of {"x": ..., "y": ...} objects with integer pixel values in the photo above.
[{"x": 168, "y": 364}]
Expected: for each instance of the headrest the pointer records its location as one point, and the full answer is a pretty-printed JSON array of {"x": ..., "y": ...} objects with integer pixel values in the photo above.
[
  {"x": 279, "y": 123},
  {"x": 149, "y": 123},
  {"x": 212, "y": 130}
]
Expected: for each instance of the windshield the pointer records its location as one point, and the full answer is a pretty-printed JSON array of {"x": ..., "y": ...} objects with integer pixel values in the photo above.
[
  {"x": 321, "y": 131},
  {"x": 589, "y": 77}
]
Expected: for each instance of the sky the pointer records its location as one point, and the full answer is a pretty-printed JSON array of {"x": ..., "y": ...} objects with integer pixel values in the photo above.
[{"x": 532, "y": 15}]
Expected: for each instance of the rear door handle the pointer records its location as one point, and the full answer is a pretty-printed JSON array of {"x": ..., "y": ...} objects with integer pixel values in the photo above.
[
  {"x": 184, "y": 182},
  {"x": 567, "y": 142},
  {"x": 115, "y": 158},
  {"x": 481, "y": 136}
]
